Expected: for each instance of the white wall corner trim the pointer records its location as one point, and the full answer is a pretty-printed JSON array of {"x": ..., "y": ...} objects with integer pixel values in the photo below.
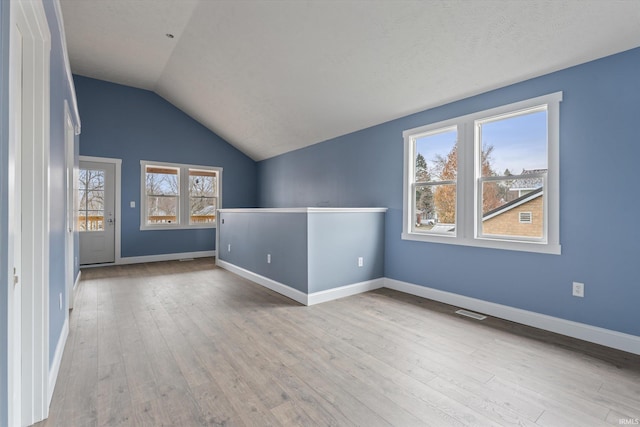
[
  {"x": 278, "y": 287},
  {"x": 345, "y": 291},
  {"x": 77, "y": 282},
  {"x": 67, "y": 67},
  {"x": 594, "y": 334},
  {"x": 161, "y": 257},
  {"x": 57, "y": 359}
]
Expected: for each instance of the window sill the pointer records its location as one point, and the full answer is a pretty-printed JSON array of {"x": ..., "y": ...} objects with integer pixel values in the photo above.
[
  {"x": 543, "y": 248},
  {"x": 176, "y": 227}
]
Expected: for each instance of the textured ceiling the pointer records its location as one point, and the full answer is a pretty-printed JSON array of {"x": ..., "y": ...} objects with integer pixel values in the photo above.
[{"x": 273, "y": 76}]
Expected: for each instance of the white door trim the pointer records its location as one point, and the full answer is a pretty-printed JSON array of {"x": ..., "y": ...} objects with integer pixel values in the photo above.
[
  {"x": 70, "y": 205},
  {"x": 28, "y": 18},
  {"x": 14, "y": 251},
  {"x": 118, "y": 206}
]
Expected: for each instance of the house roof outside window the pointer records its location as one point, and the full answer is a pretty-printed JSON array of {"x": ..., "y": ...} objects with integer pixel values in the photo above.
[{"x": 528, "y": 183}]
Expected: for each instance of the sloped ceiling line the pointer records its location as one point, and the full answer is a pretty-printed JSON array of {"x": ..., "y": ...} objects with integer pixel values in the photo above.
[{"x": 274, "y": 76}]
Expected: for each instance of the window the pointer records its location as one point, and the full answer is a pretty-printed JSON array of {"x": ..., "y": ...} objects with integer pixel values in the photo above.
[
  {"x": 203, "y": 191},
  {"x": 435, "y": 182},
  {"x": 179, "y": 196},
  {"x": 162, "y": 185},
  {"x": 91, "y": 195},
  {"x": 488, "y": 179}
]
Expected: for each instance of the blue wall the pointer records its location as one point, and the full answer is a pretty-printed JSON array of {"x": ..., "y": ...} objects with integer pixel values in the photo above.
[
  {"x": 254, "y": 235},
  {"x": 310, "y": 251},
  {"x": 4, "y": 243},
  {"x": 599, "y": 152},
  {"x": 336, "y": 241},
  {"x": 60, "y": 91},
  {"x": 132, "y": 125}
]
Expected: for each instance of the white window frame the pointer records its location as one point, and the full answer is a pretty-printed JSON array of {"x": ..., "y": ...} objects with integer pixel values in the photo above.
[
  {"x": 468, "y": 181},
  {"x": 183, "y": 197}
]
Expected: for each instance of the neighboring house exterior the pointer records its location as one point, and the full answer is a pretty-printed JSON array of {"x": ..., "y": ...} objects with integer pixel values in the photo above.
[
  {"x": 522, "y": 216},
  {"x": 520, "y": 187}
]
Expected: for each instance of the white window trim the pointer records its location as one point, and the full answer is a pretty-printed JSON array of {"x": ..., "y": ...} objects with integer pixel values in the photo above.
[
  {"x": 183, "y": 213},
  {"x": 466, "y": 193}
]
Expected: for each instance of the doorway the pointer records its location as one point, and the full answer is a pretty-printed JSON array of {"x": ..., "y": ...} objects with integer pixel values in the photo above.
[
  {"x": 97, "y": 212},
  {"x": 28, "y": 220}
]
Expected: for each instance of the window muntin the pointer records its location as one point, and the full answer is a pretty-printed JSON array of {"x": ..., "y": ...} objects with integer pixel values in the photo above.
[
  {"x": 434, "y": 186},
  {"x": 91, "y": 195},
  {"x": 179, "y": 196},
  {"x": 507, "y": 163}
]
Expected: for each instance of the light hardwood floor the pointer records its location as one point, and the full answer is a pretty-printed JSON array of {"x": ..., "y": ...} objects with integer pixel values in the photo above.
[{"x": 188, "y": 344}]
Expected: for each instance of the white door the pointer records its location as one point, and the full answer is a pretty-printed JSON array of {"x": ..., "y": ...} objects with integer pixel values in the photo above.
[
  {"x": 15, "y": 226},
  {"x": 96, "y": 213}
]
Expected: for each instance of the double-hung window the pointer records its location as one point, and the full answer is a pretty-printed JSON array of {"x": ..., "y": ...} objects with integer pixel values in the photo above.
[
  {"x": 488, "y": 179},
  {"x": 179, "y": 196}
]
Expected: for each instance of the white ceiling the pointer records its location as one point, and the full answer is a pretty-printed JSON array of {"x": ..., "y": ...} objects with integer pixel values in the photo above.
[{"x": 271, "y": 76}]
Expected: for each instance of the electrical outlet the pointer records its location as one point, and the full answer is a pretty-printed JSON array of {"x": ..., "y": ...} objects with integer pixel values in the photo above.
[
  {"x": 268, "y": 258},
  {"x": 60, "y": 300},
  {"x": 229, "y": 247},
  {"x": 578, "y": 289},
  {"x": 132, "y": 204},
  {"x": 360, "y": 261}
]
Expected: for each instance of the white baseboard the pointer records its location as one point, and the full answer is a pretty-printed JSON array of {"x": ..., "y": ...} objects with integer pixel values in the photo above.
[
  {"x": 165, "y": 257},
  {"x": 278, "y": 287},
  {"x": 345, "y": 291},
  {"x": 74, "y": 291},
  {"x": 75, "y": 285},
  {"x": 299, "y": 296},
  {"x": 594, "y": 334},
  {"x": 57, "y": 359}
]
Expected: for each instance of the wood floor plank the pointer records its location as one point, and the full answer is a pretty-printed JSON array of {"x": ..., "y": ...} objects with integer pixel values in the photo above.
[
  {"x": 112, "y": 396},
  {"x": 545, "y": 395},
  {"x": 188, "y": 344},
  {"x": 214, "y": 405},
  {"x": 489, "y": 406}
]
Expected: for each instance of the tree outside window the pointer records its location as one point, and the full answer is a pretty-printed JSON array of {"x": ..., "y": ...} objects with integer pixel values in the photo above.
[{"x": 179, "y": 196}]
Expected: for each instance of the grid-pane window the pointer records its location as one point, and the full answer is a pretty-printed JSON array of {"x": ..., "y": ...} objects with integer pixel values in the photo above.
[
  {"x": 203, "y": 196},
  {"x": 91, "y": 196},
  {"x": 162, "y": 192}
]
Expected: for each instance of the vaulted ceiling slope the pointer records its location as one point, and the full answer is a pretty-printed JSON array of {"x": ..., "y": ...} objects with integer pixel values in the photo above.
[{"x": 273, "y": 76}]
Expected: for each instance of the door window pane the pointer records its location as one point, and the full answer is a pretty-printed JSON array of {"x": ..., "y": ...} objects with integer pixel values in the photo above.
[{"x": 91, "y": 195}]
